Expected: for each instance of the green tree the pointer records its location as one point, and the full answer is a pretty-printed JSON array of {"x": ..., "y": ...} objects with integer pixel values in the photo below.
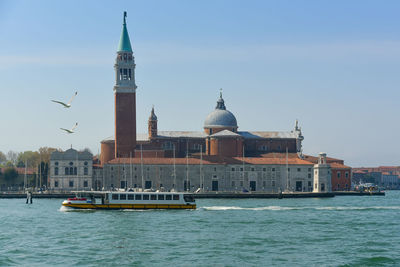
[
  {"x": 3, "y": 158},
  {"x": 10, "y": 174},
  {"x": 30, "y": 157},
  {"x": 12, "y": 156}
]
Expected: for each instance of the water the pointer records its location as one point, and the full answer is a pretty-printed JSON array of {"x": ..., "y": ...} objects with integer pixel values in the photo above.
[{"x": 340, "y": 231}]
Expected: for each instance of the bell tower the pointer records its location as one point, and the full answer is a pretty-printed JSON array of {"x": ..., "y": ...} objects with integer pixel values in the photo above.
[
  {"x": 152, "y": 123},
  {"x": 125, "y": 97}
]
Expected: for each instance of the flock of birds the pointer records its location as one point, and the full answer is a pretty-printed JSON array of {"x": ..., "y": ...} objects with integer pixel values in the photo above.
[{"x": 67, "y": 105}]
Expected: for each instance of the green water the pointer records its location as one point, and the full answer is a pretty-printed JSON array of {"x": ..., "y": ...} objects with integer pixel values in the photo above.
[{"x": 340, "y": 231}]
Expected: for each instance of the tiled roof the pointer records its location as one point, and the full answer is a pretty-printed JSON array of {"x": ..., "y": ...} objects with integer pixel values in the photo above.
[
  {"x": 208, "y": 160},
  {"x": 335, "y": 165},
  {"x": 225, "y": 133},
  {"x": 267, "y": 135}
]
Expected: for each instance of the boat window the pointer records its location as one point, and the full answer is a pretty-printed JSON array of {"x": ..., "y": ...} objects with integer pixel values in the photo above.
[
  {"x": 175, "y": 197},
  {"x": 131, "y": 196},
  {"x": 145, "y": 197},
  {"x": 138, "y": 197},
  {"x": 106, "y": 196},
  {"x": 168, "y": 197},
  {"x": 160, "y": 197},
  {"x": 188, "y": 198},
  {"x": 114, "y": 196},
  {"x": 122, "y": 196},
  {"x": 153, "y": 197}
]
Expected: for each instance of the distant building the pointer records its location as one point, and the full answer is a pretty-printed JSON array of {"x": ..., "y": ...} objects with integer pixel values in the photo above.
[
  {"x": 71, "y": 170},
  {"x": 219, "y": 158},
  {"x": 383, "y": 176}
]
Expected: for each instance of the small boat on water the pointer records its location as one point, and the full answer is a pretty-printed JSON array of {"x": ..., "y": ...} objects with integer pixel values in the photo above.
[{"x": 130, "y": 200}]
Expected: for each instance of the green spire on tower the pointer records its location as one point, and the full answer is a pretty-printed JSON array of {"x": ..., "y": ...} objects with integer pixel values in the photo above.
[{"x": 124, "y": 42}]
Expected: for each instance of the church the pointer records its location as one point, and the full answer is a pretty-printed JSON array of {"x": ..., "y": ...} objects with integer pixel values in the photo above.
[{"x": 220, "y": 157}]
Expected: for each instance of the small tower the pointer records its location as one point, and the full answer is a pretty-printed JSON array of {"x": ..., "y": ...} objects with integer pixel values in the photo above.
[
  {"x": 152, "y": 124},
  {"x": 125, "y": 97},
  {"x": 322, "y": 175}
]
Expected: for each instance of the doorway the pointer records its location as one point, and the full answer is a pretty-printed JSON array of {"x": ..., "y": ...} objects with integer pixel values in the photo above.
[
  {"x": 252, "y": 185},
  {"x": 214, "y": 186},
  {"x": 299, "y": 186}
]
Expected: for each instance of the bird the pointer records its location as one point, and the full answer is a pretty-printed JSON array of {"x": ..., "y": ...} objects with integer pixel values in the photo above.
[
  {"x": 66, "y": 105},
  {"x": 71, "y": 130}
]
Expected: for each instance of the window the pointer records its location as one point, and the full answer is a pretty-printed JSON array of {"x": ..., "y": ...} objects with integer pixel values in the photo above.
[
  {"x": 145, "y": 197},
  {"x": 168, "y": 197},
  {"x": 115, "y": 196},
  {"x": 215, "y": 169},
  {"x": 123, "y": 184},
  {"x": 122, "y": 196},
  {"x": 264, "y": 169},
  {"x": 322, "y": 187},
  {"x": 85, "y": 183},
  {"x": 71, "y": 171},
  {"x": 298, "y": 169},
  {"x": 56, "y": 163},
  {"x": 241, "y": 169},
  {"x": 153, "y": 197},
  {"x": 338, "y": 174},
  {"x": 131, "y": 197},
  {"x": 196, "y": 147},
  {"x": 71, "y": 183},
  {"x": 288, "y": 169},
  {"x": 85, "y": 171},
  {"x": 175, "y": 197},
  {"x": 75, "y": 171},
  {"x": 309, "y": 183},
  {"x": 71, "y": 163},
  {"x": 138, "y": 197},
  {"x": 233, "y": 183},
  {"x": 56, "y": 171},
  {"x": 263, "y": 148},
  {"x": 316, "y": 186},
  {"x": 160, "y": 197},
  {"x": 252, "y": 169},
  {"x": 66, "y": 172},
  {"x": 168, "y": 145},
  {"x": 55, "y": 183},
  {"x": 233, "y": 169},
  {"x": 272, "y": 183},
  {"x": 346, "y": 175},
  {"x": 241, "y": 183},
  {"x": 309, "y": 169},
  {"x": 309, "y": 175},
  {"x": 86, "y": 163},
  {"x": 273, "y": 169},
  {"x": 264, "y": 184}
]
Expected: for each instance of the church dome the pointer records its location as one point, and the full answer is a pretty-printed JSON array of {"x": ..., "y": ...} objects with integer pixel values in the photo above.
[{"x": 220, "y": 117}]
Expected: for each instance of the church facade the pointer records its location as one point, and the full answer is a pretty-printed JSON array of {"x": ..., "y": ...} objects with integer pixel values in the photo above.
[{"x": 220, "y": 157}]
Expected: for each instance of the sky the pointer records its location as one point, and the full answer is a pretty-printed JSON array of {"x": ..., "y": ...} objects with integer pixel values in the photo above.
[{"x": 333, "y": 65}]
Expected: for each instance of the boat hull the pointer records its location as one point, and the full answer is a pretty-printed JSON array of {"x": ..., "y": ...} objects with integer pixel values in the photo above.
[{"x": 127, "y": 206}]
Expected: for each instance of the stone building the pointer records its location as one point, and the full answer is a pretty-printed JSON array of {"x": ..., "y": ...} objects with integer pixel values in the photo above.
[
  {"x": 220, "y": 157},
  {"x": 71, "y": 170}
]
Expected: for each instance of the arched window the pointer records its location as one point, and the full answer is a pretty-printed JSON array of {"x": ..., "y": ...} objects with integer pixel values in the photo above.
[
  {"x": 75, "y": 171},
  {"x": 66, "y": 171},
  {"x": 86, "y": 163},
  {"x": 56, "y": 171},
  {"x": 71, "y": 171},
  {"x": 85, "y": 171}
]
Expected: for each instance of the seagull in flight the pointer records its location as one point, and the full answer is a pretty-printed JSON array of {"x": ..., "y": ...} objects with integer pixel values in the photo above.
[
  {"x": 71, "y": 130},
  {"x": 66, "y": 105}
]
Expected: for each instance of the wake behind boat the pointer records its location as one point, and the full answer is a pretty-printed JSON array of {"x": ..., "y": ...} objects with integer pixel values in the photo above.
[{"x": 130, "y": 200}]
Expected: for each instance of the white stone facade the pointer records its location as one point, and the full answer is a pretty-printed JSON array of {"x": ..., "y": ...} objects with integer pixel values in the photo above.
[{"x": 71, "y": 170}]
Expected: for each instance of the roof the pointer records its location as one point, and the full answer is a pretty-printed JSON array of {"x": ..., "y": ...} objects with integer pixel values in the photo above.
[
  {"x": 328, "y": 159},
  {"x": 71, "y": 154},
  {"x": 225, "y": 133},
  {"x": 220, "y": 118},
  {"x": 267, "y": 135},
  {"x": 124, "y": 42},
  {"x": 209, "y": 160},
  {"x": 335, "y": 165}
]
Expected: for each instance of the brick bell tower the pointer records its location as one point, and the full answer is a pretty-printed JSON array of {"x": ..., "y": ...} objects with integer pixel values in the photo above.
[{"x": 125, "y": 97}]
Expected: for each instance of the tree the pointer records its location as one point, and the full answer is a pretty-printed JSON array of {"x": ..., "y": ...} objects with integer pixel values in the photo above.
[
  {"x": 12, "y": 156},
  {"x": 3, "y": 158},
  {"x": 30, "y": 157},
  {"x": 45, "y": 153},
  {"x": 10, "y": 174}
]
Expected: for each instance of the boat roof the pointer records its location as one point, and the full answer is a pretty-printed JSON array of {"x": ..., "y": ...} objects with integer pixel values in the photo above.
[{"x": 124, "y": 192}]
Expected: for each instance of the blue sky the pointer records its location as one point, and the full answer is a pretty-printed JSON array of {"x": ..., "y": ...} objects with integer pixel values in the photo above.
[{"x": 333, "y": 65}]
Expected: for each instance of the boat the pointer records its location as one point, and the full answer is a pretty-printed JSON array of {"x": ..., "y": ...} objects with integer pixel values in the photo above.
[{"x": 130, "y": 200}]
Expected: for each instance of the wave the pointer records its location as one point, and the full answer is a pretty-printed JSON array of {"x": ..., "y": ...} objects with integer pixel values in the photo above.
[{"x": 278, "y": 208}]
